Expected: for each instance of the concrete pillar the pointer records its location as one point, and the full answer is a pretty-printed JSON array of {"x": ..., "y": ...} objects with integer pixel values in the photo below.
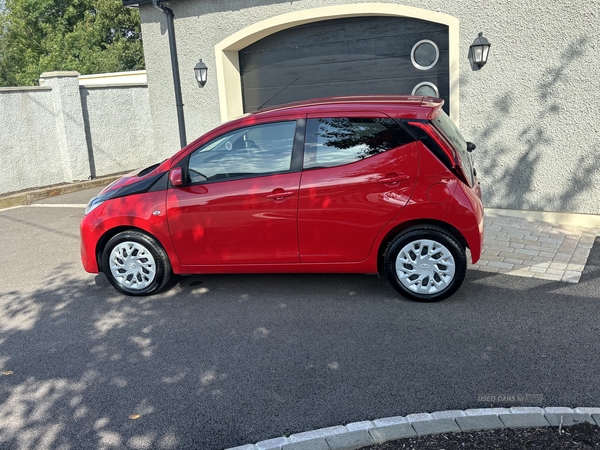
[{"x": 70, "y": 124}]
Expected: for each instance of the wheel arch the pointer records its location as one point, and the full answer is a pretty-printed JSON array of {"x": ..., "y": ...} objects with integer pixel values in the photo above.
[
  {"x": 414, "y": 224},
  {"x": 101, "y": 244}
]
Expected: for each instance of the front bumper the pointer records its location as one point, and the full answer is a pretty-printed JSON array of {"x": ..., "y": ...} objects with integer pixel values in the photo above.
[{"x": 90, "y": 232}]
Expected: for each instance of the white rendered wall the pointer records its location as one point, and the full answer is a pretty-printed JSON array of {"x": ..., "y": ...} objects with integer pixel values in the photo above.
[
  {"x": 532, "y": 110},
  {"x": 29, "y": 155},
  {"x": 120, "y": 135},
  {"x": 62, "y": 132}
]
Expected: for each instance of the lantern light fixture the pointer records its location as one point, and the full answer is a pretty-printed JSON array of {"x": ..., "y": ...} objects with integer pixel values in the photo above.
[
  {"x": 201, "y": 73},
  {"x": 479, "y": 51}
]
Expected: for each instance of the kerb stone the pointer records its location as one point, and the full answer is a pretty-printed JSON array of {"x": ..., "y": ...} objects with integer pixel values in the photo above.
[
  {"x": 555, "y": 419},
  {"x": 311, "y": 444},
  {"x": 472, "y": 423},
  {"x": 524, "y": 420},
  {"x": 350, "y": 441},
  {"x": 435, "y": 426}
]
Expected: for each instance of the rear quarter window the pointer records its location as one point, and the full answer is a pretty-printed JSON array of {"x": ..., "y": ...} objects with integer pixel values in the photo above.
[
  {"x": 337, "y": 141},
  {"x": 450, "y": 131}
]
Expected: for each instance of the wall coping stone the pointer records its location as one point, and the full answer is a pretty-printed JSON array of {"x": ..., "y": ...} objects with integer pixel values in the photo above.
[
  {"x": 58, "y": 74},
  {"x": 25, "y": 88},
  {"x": 110, "y": 86}
]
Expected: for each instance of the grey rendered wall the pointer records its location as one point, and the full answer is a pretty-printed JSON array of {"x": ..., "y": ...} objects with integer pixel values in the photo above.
[
  {"x": 60, "y": 133},
  {"x": 532, "y": 110},
  {"x": 27, "y": 121},
  {"x": 118, "y": 128}
]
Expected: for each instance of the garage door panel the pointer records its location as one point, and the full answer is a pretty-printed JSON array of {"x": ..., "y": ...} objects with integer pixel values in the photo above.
[
  {"x": 280, "y": 75},
  {"x": 255, "y": 97},
  {"x": 361, "y": 55},
  {"x": 317, "y": 53},
  {"x": 331, "y": 31}
]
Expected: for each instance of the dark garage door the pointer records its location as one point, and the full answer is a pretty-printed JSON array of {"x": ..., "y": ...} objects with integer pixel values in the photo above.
[{"x": 361, "y": 55}]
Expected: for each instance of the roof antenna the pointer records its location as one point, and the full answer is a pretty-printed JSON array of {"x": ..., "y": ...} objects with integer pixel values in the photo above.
[{"x": 261, "y": 106}]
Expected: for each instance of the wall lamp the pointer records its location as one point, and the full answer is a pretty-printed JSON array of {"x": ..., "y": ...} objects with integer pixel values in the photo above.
[
  {"x": 479, "y": 51},
  {"x": 201, "y": 73}
]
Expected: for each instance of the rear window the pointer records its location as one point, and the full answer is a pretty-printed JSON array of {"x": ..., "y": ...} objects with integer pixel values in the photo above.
[
  {"x": 446, "y": 127},
  {"x": 337, "y": 141}
]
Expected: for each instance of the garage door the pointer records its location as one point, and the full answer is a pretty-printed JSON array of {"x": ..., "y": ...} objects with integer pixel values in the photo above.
[{"x": 361, "y": 55}]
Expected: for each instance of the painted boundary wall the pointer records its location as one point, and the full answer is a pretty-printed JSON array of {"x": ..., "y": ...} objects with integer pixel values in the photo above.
[
  {"x": 73, "y": 128},
  {"x": 532, "y": 110}
]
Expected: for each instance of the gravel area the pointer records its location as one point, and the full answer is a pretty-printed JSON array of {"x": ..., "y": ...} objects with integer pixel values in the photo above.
[{"x": 580, "y": 436}]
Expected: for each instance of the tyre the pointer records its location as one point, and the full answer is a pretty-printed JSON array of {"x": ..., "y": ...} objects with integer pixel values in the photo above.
[
  {"x": 425, "y": 264},
  {"x": 135, "y": 263}
]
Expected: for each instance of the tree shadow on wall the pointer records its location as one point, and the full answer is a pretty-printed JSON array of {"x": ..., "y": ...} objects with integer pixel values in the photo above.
[{"x": 517, "y": 177}]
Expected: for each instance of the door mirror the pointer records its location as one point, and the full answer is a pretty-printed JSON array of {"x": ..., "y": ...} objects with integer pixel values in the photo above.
[{"x": 176, "y": 177}]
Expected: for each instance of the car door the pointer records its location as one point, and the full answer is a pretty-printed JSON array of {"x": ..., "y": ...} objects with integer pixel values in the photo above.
[
  {"x": 359, "y": 173},
  {"x": 240, "y": 200}
]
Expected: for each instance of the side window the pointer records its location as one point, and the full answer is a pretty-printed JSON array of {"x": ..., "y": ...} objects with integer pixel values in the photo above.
[
  {"x": 251, "y": 151},
  {"x": 337, "y": 141}
]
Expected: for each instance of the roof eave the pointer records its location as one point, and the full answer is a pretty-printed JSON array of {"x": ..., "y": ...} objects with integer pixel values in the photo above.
[{"x": 136, "y": 3}]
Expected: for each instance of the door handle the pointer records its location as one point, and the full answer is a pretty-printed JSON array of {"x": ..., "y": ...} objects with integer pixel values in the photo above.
[
  {"x": 393, "y": 179},
  {"x": 280, "y": 194}
]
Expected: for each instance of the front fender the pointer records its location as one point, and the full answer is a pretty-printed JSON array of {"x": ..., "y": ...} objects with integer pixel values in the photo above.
[{"x": 147, "y": 212}]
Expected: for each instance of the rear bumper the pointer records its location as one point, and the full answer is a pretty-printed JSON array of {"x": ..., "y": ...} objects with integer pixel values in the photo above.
[
  {"x": 465, "y": 214},
  {"x": 473, "y": 229}
]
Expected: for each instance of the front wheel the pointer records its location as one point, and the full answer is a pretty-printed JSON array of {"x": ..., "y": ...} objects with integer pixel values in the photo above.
[
  {"x": 135, "y": 263},
  {"x": 425, "y": 265}
]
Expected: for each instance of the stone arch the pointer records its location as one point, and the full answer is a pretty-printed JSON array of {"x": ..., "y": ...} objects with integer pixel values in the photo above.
[{"x": 227, "y": 59}]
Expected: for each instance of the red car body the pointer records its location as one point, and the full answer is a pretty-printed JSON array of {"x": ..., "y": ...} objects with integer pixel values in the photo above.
[{"x": 323, "y": 219}]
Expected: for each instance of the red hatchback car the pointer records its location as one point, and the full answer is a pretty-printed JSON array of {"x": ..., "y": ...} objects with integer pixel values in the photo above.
[{"x": 345, "y": 184}]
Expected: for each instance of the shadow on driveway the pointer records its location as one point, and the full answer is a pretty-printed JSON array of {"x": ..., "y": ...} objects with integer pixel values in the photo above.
[{"x": 222, "y": 360}]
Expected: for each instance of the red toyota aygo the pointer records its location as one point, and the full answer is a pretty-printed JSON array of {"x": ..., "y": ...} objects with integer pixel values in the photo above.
[{"x": 362, "y": 184}]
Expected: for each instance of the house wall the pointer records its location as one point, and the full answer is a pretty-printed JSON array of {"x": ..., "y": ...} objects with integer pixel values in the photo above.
[
  {"x": 73, "y": 128},
  {"x": 531, "y": 110}
]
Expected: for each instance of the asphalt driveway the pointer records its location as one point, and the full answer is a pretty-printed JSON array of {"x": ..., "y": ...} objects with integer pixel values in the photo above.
[{"x": 219, "y": 361}]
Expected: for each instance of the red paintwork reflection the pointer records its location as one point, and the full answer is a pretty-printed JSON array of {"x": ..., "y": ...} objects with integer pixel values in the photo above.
[
  {"x": 236, "y": 221},
  {"x": 342, "y": 209}
]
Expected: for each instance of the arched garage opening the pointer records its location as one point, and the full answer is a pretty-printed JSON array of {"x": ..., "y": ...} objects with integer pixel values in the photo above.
[
  {"x": 356, "y": 55},
  {"x": 237, "y": 56}
]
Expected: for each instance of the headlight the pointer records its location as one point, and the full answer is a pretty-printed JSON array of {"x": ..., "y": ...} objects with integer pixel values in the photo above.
[{"x": 98, "y": 200}]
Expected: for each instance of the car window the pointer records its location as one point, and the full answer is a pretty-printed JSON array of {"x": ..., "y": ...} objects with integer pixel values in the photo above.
[
  {"x": 337, "y": 141},
  {"x": 250, "y": 151},
  {"x": 449, "y": 130}
]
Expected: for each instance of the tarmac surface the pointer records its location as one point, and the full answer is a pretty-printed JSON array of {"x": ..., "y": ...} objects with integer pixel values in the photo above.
[{"x": 225, "y": 360}]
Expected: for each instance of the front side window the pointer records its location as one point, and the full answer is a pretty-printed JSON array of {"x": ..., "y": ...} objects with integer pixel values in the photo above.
[
  {"x": 337, "y": 141},
  {"x": 251, "y": 151}
]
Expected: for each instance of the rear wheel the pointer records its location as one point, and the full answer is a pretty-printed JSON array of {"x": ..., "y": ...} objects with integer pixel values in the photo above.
[
  {"x": 135, "y": 263},
  {"x": 425, "y": 264}
]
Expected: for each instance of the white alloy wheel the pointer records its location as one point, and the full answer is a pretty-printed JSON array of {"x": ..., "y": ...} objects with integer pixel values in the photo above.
[
  {"x": 132, "y": 265},
  {"x": 425, "y": 266}
]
